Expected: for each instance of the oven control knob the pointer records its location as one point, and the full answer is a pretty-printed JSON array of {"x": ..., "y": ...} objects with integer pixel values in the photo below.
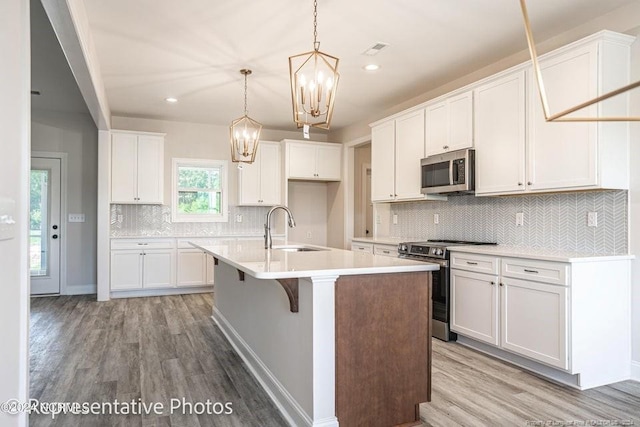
[
  {"x": 438, "y": 251},
  {"x": 403, "y": 247}
]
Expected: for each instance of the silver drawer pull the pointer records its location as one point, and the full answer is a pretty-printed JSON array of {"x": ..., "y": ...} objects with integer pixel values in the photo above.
[
  {"x": 472, "y": 263},
  {"x": 143, "y": 244},
  {"x": 361, "y": 248},
  {"x": 386, "y": 252},
  {"x": 530, "y": 271}
]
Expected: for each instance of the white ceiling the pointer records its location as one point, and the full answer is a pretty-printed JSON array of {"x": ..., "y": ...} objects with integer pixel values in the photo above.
[{"x": 194, "y": 49}]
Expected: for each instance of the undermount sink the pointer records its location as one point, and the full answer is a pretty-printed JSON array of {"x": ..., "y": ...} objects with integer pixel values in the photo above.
[{"x": 297, "y": 248}]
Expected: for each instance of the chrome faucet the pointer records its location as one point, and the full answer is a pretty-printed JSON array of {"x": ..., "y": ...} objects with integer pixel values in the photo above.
[{"x": 267, "y": 225}]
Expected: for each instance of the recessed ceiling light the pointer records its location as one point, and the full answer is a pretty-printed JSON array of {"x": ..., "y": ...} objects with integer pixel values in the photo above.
[
  {"x": 371, "y": 67},
  {"x": 171, "y": 100}
]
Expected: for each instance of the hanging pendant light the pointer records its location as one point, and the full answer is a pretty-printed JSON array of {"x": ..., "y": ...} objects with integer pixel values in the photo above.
[
  {"x": 314, "y": 79},
  {"x": 244, "y": 132}
]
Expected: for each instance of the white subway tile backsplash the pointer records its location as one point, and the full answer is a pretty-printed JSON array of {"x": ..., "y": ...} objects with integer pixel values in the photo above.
[{"x": 553, "y": 221}]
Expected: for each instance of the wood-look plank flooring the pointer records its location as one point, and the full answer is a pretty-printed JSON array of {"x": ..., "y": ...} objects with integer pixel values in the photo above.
[
  {"x": 153, "y": 349},
  {"x": 159, "y": 348},
  {"x": 472, "y": 389}
]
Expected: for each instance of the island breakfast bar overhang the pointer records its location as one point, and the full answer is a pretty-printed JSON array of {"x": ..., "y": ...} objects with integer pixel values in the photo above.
[{"x": 358, "y": 349}]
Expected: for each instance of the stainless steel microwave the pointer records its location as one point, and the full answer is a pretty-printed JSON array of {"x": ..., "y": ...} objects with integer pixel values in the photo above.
[{"x": 452, "y": 172}]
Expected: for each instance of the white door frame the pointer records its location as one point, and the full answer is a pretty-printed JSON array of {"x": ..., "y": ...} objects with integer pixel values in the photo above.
[
  {"x": 64, "y": 224},
  {"x": 349, "y": 182},
  {"x": 363, "y": 199}
]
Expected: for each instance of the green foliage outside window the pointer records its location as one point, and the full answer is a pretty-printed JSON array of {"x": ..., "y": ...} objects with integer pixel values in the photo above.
[{"x": 199, "y": 190}]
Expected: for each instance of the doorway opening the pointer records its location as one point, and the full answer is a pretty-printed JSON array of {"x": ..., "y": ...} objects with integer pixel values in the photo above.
[{"x": 363, "y": 207}]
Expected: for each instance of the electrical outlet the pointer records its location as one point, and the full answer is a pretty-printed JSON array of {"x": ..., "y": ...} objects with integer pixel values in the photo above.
[
  {"x": 436, "y": 218},
  {"x": 120, "y": 218},
  {"x": 519, "y": 219},
  {"x": 76, "y": 217},
  {"x": 309, "y": 235},
  {"x": 395, "y": 219},
  {"x": 239, "y": 218},
  {"x": 592, "y": 219},
  {"x": 378, "y": 219}
]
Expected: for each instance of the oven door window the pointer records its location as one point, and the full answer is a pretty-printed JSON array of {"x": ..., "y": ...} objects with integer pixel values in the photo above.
[
  {"x": 435, "y": 175},
  {"x": 440, "y": 295}
]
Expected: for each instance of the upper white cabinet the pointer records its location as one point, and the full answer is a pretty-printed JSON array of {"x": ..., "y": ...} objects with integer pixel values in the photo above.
[
  {"x": 397, "y": 146},
  {"x": 260, "y": 183},
  {"x": 449, "y": 124},
  {"x": 555, "y": 156},
  {"x": 137, "y": 168},
  {"x": 500, "y": 120},
  {"x": 318, "y": 161}
]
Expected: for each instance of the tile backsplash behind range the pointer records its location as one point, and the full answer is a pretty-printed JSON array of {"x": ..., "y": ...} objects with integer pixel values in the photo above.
[
  {"x": 155, "y": 220},
  {"x": 554, "y": 221}
]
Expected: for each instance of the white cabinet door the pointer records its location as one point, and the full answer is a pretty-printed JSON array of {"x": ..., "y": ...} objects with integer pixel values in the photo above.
[
  {"x": 382, "y": 162},
  {"x": 436, "y": 129},
  {"x": 126, "y": 269},
  {"x": 385, "y": 250},
  {"x": 534, "y": 321},
  {"x": 124, "y": 168},
  {"x": 191, "y": 267},
  {"x": 249, "y": 181},
  {"x": 409, "y": 149},
  {"x": 270, "y": 178},
  {"x": 210, "y": 269},
  {"x": 150, "y": 169},
  {"x": 449, "y": 124},
  {"x": 461, "y": 121},
  {"x": 302, "y": 161},
  {"x": 564, "y": 155},
  {"x": 362, "y": 247},
  {"x": 157, "y": 269},
  {"x": 474, "y": 305},
  {"x": 500, "y": 135},
  {"x": 329, "y": 162}
]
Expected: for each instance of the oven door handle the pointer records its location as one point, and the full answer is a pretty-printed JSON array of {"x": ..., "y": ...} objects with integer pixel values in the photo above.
[{"x": 450, "y": 172}]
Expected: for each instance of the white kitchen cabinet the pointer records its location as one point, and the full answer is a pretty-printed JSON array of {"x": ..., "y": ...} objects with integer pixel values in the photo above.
[
  {"x": 519, "y": 305},
  {"x": 195, "y": 268},
  {"x": 383, "y": 161},
  {"x": 137, "y": 168},
  {"x": 362, "y": 247},
  {"x": 385, "y": 250},
  {"x": 317, "y": 161},
  {"x": 500, "y": 120},
  {"x": 475, "y": 305},
  {"x": 534, "y": 320},
  {"x": 397, "y": 145},
  {"x": 142, "y": 264},
  {"x": 260, "y": 183},
  {"x": 449, "y": 124}
]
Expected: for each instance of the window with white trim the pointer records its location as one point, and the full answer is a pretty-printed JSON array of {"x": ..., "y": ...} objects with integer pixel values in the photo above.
[{"x": 199, "y": 191}]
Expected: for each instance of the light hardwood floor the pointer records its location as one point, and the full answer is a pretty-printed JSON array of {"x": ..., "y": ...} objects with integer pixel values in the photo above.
[{"x": 159, "y": 348}]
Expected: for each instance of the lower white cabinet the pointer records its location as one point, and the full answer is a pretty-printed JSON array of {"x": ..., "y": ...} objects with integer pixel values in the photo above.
[
  {"x": 140, "y": 265},
  {"x": 362, "y": 247},
  {"x": 385, "y": 250},
  {"x": 522, "y": 309},
  {"x": 195, "y": 268}
]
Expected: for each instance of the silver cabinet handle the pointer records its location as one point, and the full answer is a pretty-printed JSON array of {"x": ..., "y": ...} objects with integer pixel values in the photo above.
[
  {"x": 493, "y": 283},
  {"x": 531, "y": 271},
  {"x": 501, "y": 284},
  {"x": 520, "y": 183},
  {"x": 446, "y": 147},
  {"x": 385, "y": 252},
  {"x": 529, "y": 183},
  {"x": 472, "y": 263}
]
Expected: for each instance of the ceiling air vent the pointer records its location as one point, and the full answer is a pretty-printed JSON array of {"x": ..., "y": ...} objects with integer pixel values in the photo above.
[{"x": 373, "y": 50}]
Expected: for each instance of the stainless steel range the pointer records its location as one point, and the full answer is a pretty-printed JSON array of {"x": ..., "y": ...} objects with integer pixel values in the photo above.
[{"x": 436, "y": 251}]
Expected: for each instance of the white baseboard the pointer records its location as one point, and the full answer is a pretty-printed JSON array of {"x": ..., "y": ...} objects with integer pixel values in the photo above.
[
  {"x": 80, "y": 290},
  {"x": 635, "y": 370},
  {"x": 288, "y": 406},
  {"x": 161, "y": 292}
]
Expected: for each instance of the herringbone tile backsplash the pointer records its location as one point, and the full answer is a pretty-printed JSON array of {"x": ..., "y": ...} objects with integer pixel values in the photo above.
[
  {"x": 155, "y": 221},
  {"x": 553, "y": 221}
]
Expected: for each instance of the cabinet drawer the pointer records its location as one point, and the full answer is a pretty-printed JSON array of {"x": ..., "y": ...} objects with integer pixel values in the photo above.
[
  {"x": 473, "y": 262},
  {"x": 386, "y": 250},
  {"x": 141, "y": 244},
  {"x": 362, "y": 247},
  {"x": 539, "y": 271}
]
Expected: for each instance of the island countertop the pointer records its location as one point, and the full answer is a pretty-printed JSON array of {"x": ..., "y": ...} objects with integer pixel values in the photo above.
[{"x": 252, "y": 258}]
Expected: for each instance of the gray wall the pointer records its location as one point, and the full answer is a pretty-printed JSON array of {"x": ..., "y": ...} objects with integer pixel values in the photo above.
[{"x": 76, "y": 135}]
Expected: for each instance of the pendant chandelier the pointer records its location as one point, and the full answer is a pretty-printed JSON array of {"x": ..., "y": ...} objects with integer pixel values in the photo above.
[
  {"x": 244, "y": 132},
  {"x": 314, "y": 79}
]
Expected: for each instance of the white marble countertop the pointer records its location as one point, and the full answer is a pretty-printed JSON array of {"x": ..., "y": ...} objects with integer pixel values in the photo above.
[
  {"x": 252, "y": 258},
  {"x": 537, "y": 253}
]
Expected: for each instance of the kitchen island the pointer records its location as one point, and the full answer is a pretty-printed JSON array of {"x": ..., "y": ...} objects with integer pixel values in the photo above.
[{"x": 335, "y": 337}]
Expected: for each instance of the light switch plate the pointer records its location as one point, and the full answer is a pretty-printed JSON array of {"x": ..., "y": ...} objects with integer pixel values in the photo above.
[
  {"x": 519, "y": 219},
  {"x": 436, "y": 218},
  {"x": 592, "y": 219},
  {"x": 7, "y": 221},
  {"x": 76, "y": 217},
  {"x": 395, "y": 219},
  {"x": 238, "y": 217}
]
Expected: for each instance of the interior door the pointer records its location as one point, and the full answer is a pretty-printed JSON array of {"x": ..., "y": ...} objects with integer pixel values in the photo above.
[{"x": 45, "y": 227}]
